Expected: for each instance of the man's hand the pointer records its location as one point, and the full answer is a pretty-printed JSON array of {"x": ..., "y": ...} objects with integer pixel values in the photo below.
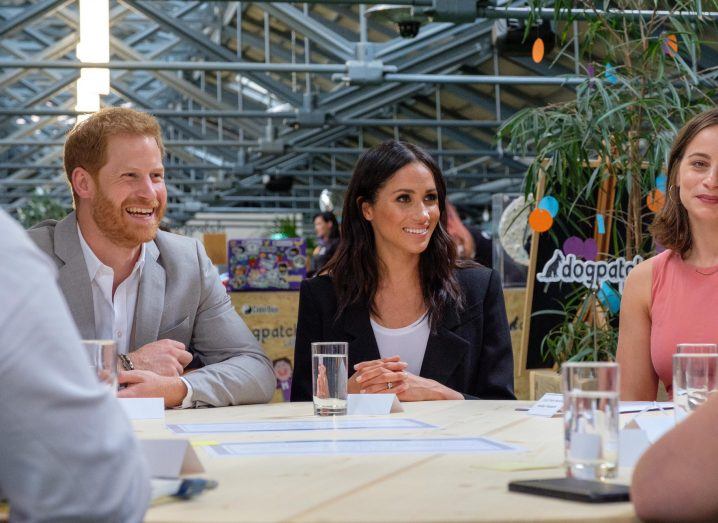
[
  {"x": 163, "y": 357},
  {"x": 146, "y": 384}
]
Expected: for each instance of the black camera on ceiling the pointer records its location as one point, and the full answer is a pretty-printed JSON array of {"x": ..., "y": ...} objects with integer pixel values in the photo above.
[
  {"x": 275, "y": 183},
  {"x": 409, "y": 28}
]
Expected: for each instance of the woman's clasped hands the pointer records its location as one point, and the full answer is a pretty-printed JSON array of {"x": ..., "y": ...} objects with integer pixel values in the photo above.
[{"x": 389, "y": 376}]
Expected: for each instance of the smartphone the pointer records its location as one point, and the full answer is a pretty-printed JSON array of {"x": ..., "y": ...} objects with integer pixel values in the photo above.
[{"x": 573, "y": 489}]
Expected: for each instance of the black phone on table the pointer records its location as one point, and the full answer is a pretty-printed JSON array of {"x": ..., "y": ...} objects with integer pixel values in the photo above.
[{"x": 573, "y": 489}]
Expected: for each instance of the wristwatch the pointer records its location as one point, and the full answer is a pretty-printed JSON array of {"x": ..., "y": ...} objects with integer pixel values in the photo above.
[{"x": 126, "y": 362}]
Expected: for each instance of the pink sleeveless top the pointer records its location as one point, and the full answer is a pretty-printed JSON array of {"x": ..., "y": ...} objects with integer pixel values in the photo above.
[{"x": 684, "y": 304}]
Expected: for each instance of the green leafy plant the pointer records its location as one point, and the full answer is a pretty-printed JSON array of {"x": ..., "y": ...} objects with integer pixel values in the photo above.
[
  {"x": 643, "y": 82},
  {"x": 41, "y": 207},
  {"x": 284, "y": 228}
]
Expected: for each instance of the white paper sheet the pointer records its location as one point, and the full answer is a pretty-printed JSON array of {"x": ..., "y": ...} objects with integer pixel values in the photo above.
[
  {"x": 288, "y": 425},
  {"x": 363, "y": 447},
  {"x": 143, "y": 408},
  {"x": 549, "y": 405},
  {"x": 373, "y": 404}
]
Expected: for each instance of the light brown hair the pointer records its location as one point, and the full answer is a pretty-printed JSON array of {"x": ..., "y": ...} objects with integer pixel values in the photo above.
[
  {"x": 86, "y": 143},
  {"x": 671, "y": 227}
]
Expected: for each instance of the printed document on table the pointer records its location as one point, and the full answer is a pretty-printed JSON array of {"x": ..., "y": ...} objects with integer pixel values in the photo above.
[
  {"x": 476, "y": 445},
  {"x": 639, "y": 406},
  {"x": 291, "y": 425}
]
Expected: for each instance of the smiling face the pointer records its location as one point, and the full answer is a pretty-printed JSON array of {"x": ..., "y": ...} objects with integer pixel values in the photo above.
[
  {"x": 129, "y": 196},
  {"x": 405, "y": 211},
  {"x": 698, "y": 176}
]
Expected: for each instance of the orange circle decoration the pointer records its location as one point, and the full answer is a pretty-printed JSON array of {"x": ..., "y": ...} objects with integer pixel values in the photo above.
[
  {"x": 538, "y": 50},
  {"x": 656, "y": 200},
  {"x": 540, "y": 220}
]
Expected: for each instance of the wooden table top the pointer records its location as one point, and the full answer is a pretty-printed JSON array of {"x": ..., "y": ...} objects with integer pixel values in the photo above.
[{"x": 386, "y": 488}]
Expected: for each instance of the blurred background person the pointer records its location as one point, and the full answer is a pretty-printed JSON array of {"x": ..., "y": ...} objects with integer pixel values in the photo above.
[
  {"x": 67, "y": 451},
  {"x": 471, "y": 242},
  {"x": 327, "y": 231}
]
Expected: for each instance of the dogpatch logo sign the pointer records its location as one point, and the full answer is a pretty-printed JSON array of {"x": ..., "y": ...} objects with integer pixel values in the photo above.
[{"x": 568, "y": 268}]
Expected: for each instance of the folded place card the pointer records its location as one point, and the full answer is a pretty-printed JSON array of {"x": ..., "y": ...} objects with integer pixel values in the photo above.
[
  {"x": 632, "y": 443},
  {"x": 168, "y": 458},
  {"x": 549, "y": 405},
  {"x": 370, "y": 404},
  {"x": 654, "y": 426},
  {"x": 143, "y": 408}
]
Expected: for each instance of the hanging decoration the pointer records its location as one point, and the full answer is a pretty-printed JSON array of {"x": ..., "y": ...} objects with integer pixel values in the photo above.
[
  {"x": 550, "y": 204},
  {"x": 600, "y": 224},
  {"x": 669, "y": 44},
  {"x": 656, "y": 200},
  {"x": 610, "y": 74},
  {"x": 538, "y": 50},
  {"x": 540, "y": 220},
  {"x": 586, "y": 249}
]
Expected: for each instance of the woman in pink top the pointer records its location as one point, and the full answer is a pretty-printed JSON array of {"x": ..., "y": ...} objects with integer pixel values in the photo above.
[{"x": 673, "y": 297}]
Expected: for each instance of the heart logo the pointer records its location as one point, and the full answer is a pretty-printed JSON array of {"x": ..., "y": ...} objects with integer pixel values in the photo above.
[{"x": 586, "y": 249}]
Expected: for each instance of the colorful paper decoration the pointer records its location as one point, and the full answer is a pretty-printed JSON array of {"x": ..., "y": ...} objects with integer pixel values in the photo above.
[
  {"x": 586, "y": 249},
  {"x": 610, "y": 74},
  {"x": 669, "y": 44},
  {"x": 540, "y": 220},
  {"x": 550, "y": 204},
  {"x": 661, "y": 182},
  {"x": 609, "y": 297},
  {"x": 600, "y": 224},
  {"x": 656, "y": 200},
  {"x": 538, "y": 50}
]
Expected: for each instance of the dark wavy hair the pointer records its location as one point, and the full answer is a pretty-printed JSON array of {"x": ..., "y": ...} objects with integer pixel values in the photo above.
[
  {"x": 329, "y": 217},
  {"x": 354, "y": 268},
  {"x": 671, "y": 226}
]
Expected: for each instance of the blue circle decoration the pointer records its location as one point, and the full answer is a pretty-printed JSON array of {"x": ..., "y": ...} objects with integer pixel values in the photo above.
[
  {"x": 661, "y": 182},
  {"x": 550, "y": 204},
  {"x": 610, "y": 76}
]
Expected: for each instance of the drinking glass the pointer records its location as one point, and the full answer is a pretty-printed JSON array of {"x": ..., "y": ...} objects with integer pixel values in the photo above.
[
  {"x": 695, "y": 377},
  {"x": 329, "y": 378},
  {"x": 590, "y": 419},
  {"x": 697, "y": 348},
  {"x": 103, "y": 361}
]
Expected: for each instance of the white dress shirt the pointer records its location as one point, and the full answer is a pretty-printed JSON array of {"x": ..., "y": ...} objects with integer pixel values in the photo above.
[
  {"x": 408, "y": 342},
  {"x": 115, "y": 315}
]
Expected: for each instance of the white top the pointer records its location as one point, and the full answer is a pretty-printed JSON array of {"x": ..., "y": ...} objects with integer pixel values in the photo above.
[
  {"x": 408, "y": 342},
  {"x": 114, "y": 316},
  {"x": 66, "y": 448}
]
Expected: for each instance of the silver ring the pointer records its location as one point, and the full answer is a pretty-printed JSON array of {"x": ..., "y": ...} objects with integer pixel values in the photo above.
[{"x": 389, "y": 385}]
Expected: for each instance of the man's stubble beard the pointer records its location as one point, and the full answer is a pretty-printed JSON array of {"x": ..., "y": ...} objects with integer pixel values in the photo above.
[{"x": 112, "y": 220}]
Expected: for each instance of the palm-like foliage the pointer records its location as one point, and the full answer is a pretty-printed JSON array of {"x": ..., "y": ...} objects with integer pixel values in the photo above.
[{"x": 643, "y": 83}]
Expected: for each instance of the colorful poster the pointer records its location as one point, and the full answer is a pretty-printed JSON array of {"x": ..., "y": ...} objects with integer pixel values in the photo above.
[{"x": 261, "y": 264}]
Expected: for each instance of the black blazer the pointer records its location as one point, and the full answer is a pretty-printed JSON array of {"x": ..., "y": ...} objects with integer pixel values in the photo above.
[{"x": 469, "y": 352}]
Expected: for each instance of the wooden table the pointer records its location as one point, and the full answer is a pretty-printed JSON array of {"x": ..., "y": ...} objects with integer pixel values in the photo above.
[{"x": 430, "y": 488}]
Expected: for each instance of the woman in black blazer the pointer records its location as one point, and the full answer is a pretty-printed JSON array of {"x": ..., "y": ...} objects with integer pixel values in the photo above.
[{"x": 419, "y": 322}]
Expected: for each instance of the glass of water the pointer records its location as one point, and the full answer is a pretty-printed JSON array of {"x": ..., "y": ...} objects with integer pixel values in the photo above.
[
  {"x": 103, "y": 361},
  {"x": 695, "y": 377},
  {"x": 697, "y": 348},
  {"x": 590, "y": 419},
  {"x": 329, "y": 378}
]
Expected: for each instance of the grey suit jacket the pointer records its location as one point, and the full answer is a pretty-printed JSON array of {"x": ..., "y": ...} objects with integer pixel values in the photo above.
[{"x": 180, "y": 298}]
